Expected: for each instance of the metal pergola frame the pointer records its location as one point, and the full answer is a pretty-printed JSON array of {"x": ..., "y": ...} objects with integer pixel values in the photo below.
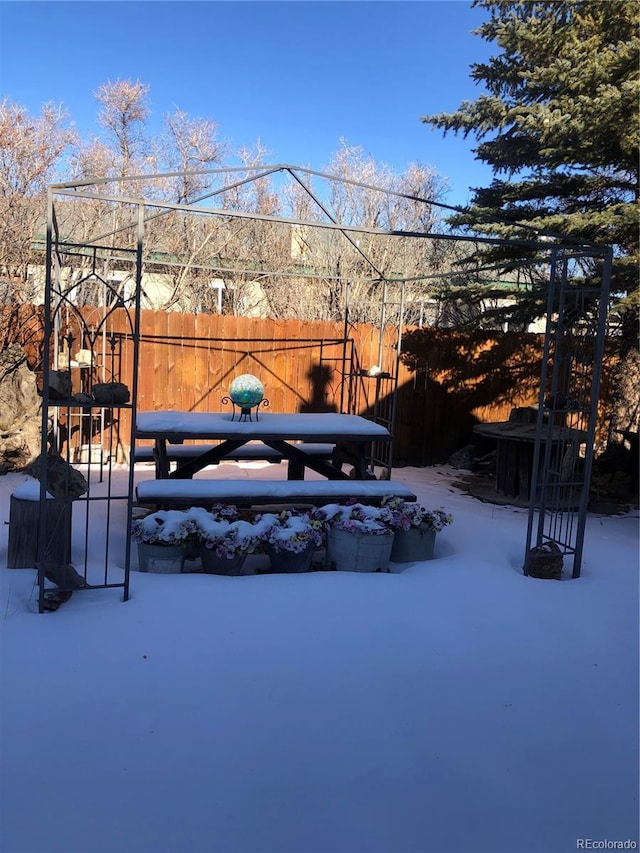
[{"x": 557, "y": 251}]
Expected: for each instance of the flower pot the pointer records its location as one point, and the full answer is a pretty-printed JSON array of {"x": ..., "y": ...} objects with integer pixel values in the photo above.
[
  {"x": 161, "y": 559},
  {"x": 213, "y": 564},
  {"x": 358, "y": 551},
  {"x": 290, "y": 561},
  {"x": 413, "y": 545}
]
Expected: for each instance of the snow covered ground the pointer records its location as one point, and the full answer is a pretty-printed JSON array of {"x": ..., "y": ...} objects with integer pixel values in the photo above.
[{"x": 453, "y": 706}]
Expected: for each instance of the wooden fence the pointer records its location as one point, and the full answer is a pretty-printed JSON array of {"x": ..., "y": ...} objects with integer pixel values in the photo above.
[{"x": 447, "y": 380}]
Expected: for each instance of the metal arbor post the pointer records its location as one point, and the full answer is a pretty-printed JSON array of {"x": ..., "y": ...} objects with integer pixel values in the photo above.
[{"x": 568, "y": 405}]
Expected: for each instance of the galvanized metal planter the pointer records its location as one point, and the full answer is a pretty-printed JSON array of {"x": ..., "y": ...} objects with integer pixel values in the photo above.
[
  {"x": 290, "y": 561},
  {"x": 213, "y": 564},
  {"x": 358, "y": 551},
  {"x": 161, "y": 559},
  {"x": 413, "y": 545}
]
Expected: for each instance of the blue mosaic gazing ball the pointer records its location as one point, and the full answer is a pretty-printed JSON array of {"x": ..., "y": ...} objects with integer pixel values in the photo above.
[{"x": 246, "y": 391}]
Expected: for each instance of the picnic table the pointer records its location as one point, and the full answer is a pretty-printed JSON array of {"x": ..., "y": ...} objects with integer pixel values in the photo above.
[{"x": 351, "y": 434}]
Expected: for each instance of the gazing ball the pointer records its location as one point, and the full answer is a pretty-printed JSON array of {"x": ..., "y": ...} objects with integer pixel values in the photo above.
[{"x": 246, "y": 391}]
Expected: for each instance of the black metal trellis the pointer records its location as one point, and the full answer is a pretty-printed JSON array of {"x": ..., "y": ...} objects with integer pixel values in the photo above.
[
  {"x": 567, "y": 411},
  {"x": 373, "y": 388},
  {"x": 81, "y": 354}
]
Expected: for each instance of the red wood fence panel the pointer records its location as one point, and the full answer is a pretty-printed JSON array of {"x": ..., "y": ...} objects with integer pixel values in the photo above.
[{"x": 447, "y": 380}]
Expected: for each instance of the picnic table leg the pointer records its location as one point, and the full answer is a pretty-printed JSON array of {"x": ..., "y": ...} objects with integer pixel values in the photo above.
[
  {"x": 299, "y": 460},
  {"x": 361, "y": 471},
  {"x": 161, "y": 460},
  {"x": 211, "y": 457},
  {"x": 295, "y": 470},
  {"x": 352, "y": 453}
]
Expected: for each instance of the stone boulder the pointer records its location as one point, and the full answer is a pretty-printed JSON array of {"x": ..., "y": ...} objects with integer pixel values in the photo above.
[
  {"x": 63, "y": 480},
  {"x": 464, "y": 458},
  {"x": 20, "y": 411}
]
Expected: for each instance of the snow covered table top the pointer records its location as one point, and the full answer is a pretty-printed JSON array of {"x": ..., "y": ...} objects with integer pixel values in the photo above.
[
  {"x": 277, "y": 431},
  {"x": 327, "y": 426}
]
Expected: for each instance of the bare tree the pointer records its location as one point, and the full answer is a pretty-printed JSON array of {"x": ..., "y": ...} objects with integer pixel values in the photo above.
[
  {"x": 186, "y": 146},
  {"x": 32, "y": 151},
  {"x": 371, "y": 266},
  {"x": 265, "y": 265},
  {"x": 123, "y": 148},
  {"x": 123, "y": 114},
  {"x": 251, "y": 252},
  {"x": 126, "y": 148}
]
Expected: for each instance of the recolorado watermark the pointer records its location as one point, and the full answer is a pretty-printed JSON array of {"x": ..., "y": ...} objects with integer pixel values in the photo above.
[{"x": 605, "y": 844}]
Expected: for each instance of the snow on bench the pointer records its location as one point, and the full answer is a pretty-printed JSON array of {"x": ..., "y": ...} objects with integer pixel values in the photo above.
[
  {"x": 245, "y": 453},
  {"x": 255, "y": 492}
]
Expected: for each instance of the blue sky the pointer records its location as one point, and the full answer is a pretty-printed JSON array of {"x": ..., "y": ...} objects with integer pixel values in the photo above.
[{"x": 296, "y": 75}]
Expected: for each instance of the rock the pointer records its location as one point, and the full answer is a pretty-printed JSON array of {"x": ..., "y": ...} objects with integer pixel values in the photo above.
[
  {"x": 20, "y": 411},
  {"x": 463, "y": 458},
  {"x": 111, "y": 393},
  {"x": 486, "y": 464},
  {"x": 545, "y": 562},
  {"x": 81, "y": 397},
  {"x": 59, "y": 384},
  {"x": 63, "y": 480},
  {"x": 64, "y": 576}
]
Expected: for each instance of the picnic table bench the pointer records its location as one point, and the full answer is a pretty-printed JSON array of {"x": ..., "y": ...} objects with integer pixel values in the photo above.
[
  {"x": 181, "y": 454},
  {"x": 301, "y": 439},
  {"x": 172, "y": 493}
]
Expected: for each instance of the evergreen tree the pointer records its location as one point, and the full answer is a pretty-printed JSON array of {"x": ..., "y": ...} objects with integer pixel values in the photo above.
[
  {"x": 560, "y": 118},
  {"x": 559, "y": 125}
]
